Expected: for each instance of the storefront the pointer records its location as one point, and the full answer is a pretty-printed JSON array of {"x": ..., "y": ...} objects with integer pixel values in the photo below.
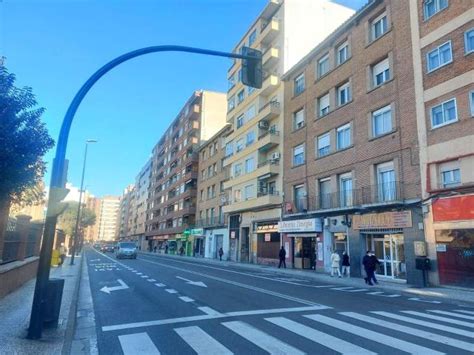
[
  {"x": 268, "y": 243},
  {"x": 199, "y": 245},
  {"x": 302, "y": 239}
]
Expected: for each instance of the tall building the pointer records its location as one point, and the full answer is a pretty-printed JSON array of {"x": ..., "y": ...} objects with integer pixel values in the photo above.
[
  {"x": 352, "y": 180},
  {"x": 91, "y": 233},
  {"x": 139, "y": 211},
  {"x": 442, "y": 35},
  {"x": 124, "y": 213},
  {"x": 284, "y": 31},
  {"x": 211, "y": 232},
  {"x": 108, "y": 217},
  {"x": 172, "y": 200}
]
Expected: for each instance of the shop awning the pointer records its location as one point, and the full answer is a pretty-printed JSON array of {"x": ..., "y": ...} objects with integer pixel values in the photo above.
[{"x": 302, "y": 235}]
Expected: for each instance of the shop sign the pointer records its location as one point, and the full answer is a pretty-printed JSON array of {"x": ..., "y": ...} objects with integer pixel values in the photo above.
[
  {"x": 300, "y": 225},
  {"x": 457, "y": 208},
  {"x": 398, "y": 219},
  {"x": 268, "y": 237},
  {"x": 232, "y": 234},
  {"x": 265, "y": 228},
  {"x": 441, "y": 248},
  {"x": 197, "y": 231},
  {"x": 186, "y": 232}
]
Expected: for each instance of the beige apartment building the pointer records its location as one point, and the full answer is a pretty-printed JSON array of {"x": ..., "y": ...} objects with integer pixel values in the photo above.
[
  {"x": 211, "y": 230},
  {"x": 442, "y": 34},
  {"x": 108, "y": 217},
  {"x": 284, "y": 31},
  {"x": 139, "y": 210},
  {"x": 91, "y": 233},
  {"x": 171, "y": 206},
  {"x": 352, "y": 178},
  {"x": 124, "y": 213}
]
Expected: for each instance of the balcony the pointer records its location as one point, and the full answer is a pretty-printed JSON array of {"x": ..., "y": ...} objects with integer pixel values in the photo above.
[
  {"x": 211, "y": 222},
  {"x": 269, "y": 29},
  {"x": 270, "y": 58},
  {"x": 262, "y": 201},
  {"x": 268, "y": 140},
  {"x": 264, "y": 170},
  {"x": 270, "y": 83},
  {"x": 269, "y": 111},
  {"x": 270, "y": 8},
  {"x": 380, "y": 195}
]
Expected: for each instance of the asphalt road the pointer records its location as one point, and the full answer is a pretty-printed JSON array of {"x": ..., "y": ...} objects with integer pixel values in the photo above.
[{"x": 157, "y": 304}]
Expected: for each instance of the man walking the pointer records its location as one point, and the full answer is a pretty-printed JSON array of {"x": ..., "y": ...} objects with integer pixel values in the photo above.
[
  {"x": 221, "y": 252},
  {"x": 282, "y": 255},
  {"x": 346, "y": 265},
  {"x": 335, "y": 260},
  {"x": 370, "y": 262}
]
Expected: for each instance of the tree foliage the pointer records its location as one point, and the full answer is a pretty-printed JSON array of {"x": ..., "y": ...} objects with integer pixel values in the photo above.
[
  {"x": 24, "y": 139},
  {"x": 67, "y": 220}
]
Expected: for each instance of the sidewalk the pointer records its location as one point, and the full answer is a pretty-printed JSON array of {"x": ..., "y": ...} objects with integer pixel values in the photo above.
[
  {"x": 445, "y": 294},
  {"x": 15, "y": 311}
]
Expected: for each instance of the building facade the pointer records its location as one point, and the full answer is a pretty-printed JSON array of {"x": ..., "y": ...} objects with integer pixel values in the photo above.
[
  {"x": 284, "y": 31},
  {"x": 173, "y": 192},
  {"x": 352, "y": 180},
  {"x": 123, "y": 227},
  {"x": 211, "y": 232},
  {"x": 108, "y": 218},
  {"x": 91, "y": 233},
  {"x": 139, "y": 210},
  {"x": 442, "y": 33}
]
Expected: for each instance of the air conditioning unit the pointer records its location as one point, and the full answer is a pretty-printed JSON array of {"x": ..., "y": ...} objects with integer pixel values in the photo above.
[
  {"x": 275, "y": 156},
  {"x": 263, "y": 124}
]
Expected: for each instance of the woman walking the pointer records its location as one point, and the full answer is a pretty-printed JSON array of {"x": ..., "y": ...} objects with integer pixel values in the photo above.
[
  {"x": 335, "y": 259},
  {"x": 346, "y": 265}
]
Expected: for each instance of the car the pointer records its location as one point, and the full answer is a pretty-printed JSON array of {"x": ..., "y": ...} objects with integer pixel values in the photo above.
[{"x": 126, "y": 250}]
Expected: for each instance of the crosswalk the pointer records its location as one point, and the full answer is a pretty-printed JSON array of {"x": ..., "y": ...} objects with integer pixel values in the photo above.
[{"x": 414, "y": 332}]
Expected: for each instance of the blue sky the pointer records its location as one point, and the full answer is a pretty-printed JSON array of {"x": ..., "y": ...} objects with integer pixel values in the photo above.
[{"x": 55, "y": 45}]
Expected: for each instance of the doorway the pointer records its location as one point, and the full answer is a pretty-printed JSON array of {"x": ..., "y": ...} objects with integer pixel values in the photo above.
[{"x": 390, "y": 251}]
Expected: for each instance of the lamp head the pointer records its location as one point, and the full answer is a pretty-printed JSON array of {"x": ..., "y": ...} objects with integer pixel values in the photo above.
[{"x": 91, "y": 140}]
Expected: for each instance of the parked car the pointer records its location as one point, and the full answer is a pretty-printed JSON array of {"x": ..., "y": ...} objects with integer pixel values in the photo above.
[
  {"x": 108, "y": 247},
  {"x": 126, "y": 250}
]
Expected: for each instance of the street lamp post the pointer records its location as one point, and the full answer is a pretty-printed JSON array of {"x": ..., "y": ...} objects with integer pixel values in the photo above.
[{"x": 76, "y": 228}]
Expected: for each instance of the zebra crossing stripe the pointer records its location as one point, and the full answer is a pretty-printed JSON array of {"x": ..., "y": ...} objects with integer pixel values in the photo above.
[
  {"x": 264, "y": 341},
  {"x": 463, "y": 316},
  {"x": 138, "y": 343},
  {"x": 160, "y": 285},
  {"x": 342, "y": 288},
  {"x": 358, "y": 290},
  {"x": 201, "y": 342},
  {"x": 170, "y": 290},
  {"x": 379, "y": 293},
  {"x": 442, "y": 319},
  {"x": 412, "y": 331},
  {"x": 316, "y": 336},
  {"x": 464, "y": 311},
  {"x": 151, "y": 280},
  {"x": 445, "y": 328},
  {"x": 186, "y": 299}
]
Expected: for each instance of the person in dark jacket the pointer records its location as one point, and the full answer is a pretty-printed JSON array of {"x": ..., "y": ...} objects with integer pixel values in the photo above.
[
  {"x": 221, "y": 252},
  {"x": 346, "y": 266},
  {"x": 282, "y": 255},
  {"x": 370, "y": 262}
]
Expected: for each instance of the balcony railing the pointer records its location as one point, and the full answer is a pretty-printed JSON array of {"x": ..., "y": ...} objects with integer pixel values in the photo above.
[
  {"x": 272, "y": 132},
  {"x": 380, "y": 194},
  {"x": 211, "y": 221},
  {"x": 267, "y": 192},
  {"x": 268, "y": 162}
]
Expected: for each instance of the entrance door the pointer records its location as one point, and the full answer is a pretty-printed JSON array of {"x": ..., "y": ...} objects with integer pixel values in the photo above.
[
  {"x": 389, "y": 250},
  {"x": 219, "y": 242},
  {"x": 244, "y": 248}
]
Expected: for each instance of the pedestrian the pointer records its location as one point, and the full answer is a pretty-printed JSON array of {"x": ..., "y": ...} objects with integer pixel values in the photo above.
[
  {"x": 346, "y": 265},
  {"x": 375, "y": 262},
  {"x": 221, "y": 252},
  {"x": 154, "y": 249},
  {"x": 370, "y": 262},
  {"x": 166, "y": 249},
  {"x": 335, "y": 260},
  {"x": 62, "y": 253},
  {"x": 181, "y": 251},
  {"x": 282, "y": 255}
]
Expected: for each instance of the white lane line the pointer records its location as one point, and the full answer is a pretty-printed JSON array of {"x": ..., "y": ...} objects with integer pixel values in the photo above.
[
  {"x": 210, "y": 311},
  {"x": 441, "y": 319},
  {"x": 464, "y": 311},
  {"x": 342, "y": 288},
  {"x": 139, "y": 343},
  {"x": 151, "y": 280},
  {"x": 144, "y": 276},
  {"x": 274, "y": 310},
  {"x": 358, "y": 290},
  {"x": 160, "y": 285},
  {"x": 437, "y": 326},
  {"x": 264, "y": 341},
  {"x": 452, "y": 314},
  {"x": 139, "y": 273},
  {"x": 170, "y": 290},
  {"x": 322, "y": 286},
  {"x": 422, "y": 300},
  {"x": 411, "y": 331},
  {"x": 379, "y": 293},
  {"x": 186, "y": 299},
  {"x": 324, "y": 339},
  {"x": 201, "y": 342}
]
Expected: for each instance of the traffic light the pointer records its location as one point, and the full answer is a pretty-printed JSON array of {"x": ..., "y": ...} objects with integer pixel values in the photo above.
[{"x": 252, "y": 67}]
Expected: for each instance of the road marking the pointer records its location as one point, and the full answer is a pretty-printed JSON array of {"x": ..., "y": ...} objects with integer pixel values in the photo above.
[
  {"x": 464, "y": 311},
  {"x": 201, "y": 342},
  {"x": 160, "y": 285},
  {"x": 186, "y": 299},
  {"x": 379, "y": 293},
  {"x": 144, "y": 276},
  {"x": 371, "y": 335},
  {"x": 122, "y": 286},
  {"x": 442, "y": 319},
  {"x": 170, "y": 290},
  {"x": 139, "y": 273},
  {"x": 322, "y": 286},
  {"x": 421, "y": 300},
  {"x": 139, "y": 343},
  {"x": 408, "y": 330},
  {"x": 316, "y": 336},
  {"x": 151, "y": 280},
  {"x": 264, "y": 341},
  {"x": 195, "y": 283},
  {"x": 342, "y": 288},
  {"x": 445, "y": 328},
  {"x": 452, "y": 314},
  {"x": 358, "y": 290},
  {"x": 210, "y": 311},
  {"x": 109, "y": 328}
]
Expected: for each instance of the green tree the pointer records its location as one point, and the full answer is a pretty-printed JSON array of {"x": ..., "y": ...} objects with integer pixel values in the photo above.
[{"x": 67, "y": 220}]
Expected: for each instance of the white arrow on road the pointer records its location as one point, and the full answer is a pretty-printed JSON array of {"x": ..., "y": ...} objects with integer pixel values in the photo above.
[
  {"x": 195, "y": 283},
  {"x": 122, "y": 286}
]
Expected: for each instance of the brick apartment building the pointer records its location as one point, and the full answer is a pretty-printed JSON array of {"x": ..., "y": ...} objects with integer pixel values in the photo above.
[
  {"x": 351, "y": 160},
  {"x": 211, "y": 226},
  {"x": 442, "y": 34},
  {"x": 172, "y": 198}
]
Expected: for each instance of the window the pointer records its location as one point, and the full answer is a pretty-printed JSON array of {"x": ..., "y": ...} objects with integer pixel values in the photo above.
[
  {"x": 382, "y": 121},
  {"x": 323, "y": 65},
  {"x": 249, "y": 192},
  {"x": 229, "y": 149},
  {"x": 231, "y": 103},
  {"x": 324, "y": 145},
  {"x": 298, "y": 119},
  {"x": 469, "y": 41},
  {"x": 240, "y": 145},
  {"x": 240, "y": 121},
  {"x": 444, "y": 114},
  {"x": 379, "y": 26},
  {"x": 237, "y": 196},
  {"x": 344, "y": 94},
  {"x": 209, "y": 192},
  {"x": 249, "y": 165},
  {"x": 298, "y": 155},
  {"x": 471, "y": 100},
  {"x": 299, "y": 84},
  {"x": 250, "y": 113},
  {"x": 240, "y": 96},
  {"x": 345, "y": 190},
  {"x": 323, "y": 105},
  {"x": 252, "y": 37},
  {"x": 432, "y": 7},
  {"x": 451, "y": 178},
  {"x": 343, "y": 136},
  {"x": 250, "y": 137},
  {"x": 342, "y": 53},
  {"x": 439, "y": 57},
  {"x": 300, "y": 198},
  {"x": 386, "y": 185},
  {"x": 231, "y": 82},
  {"x": 381, "y": 72},
  {"x": 202, "y": 195},
  {"x": 325, "y": 193},
  {"x": 237, "y": 170}
]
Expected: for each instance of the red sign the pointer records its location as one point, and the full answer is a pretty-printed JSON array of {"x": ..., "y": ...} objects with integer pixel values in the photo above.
[{"x": 457, "y": 208}]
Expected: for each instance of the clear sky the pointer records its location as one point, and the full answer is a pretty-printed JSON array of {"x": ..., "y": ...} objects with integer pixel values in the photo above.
[{"x": 55, "y": 45}]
